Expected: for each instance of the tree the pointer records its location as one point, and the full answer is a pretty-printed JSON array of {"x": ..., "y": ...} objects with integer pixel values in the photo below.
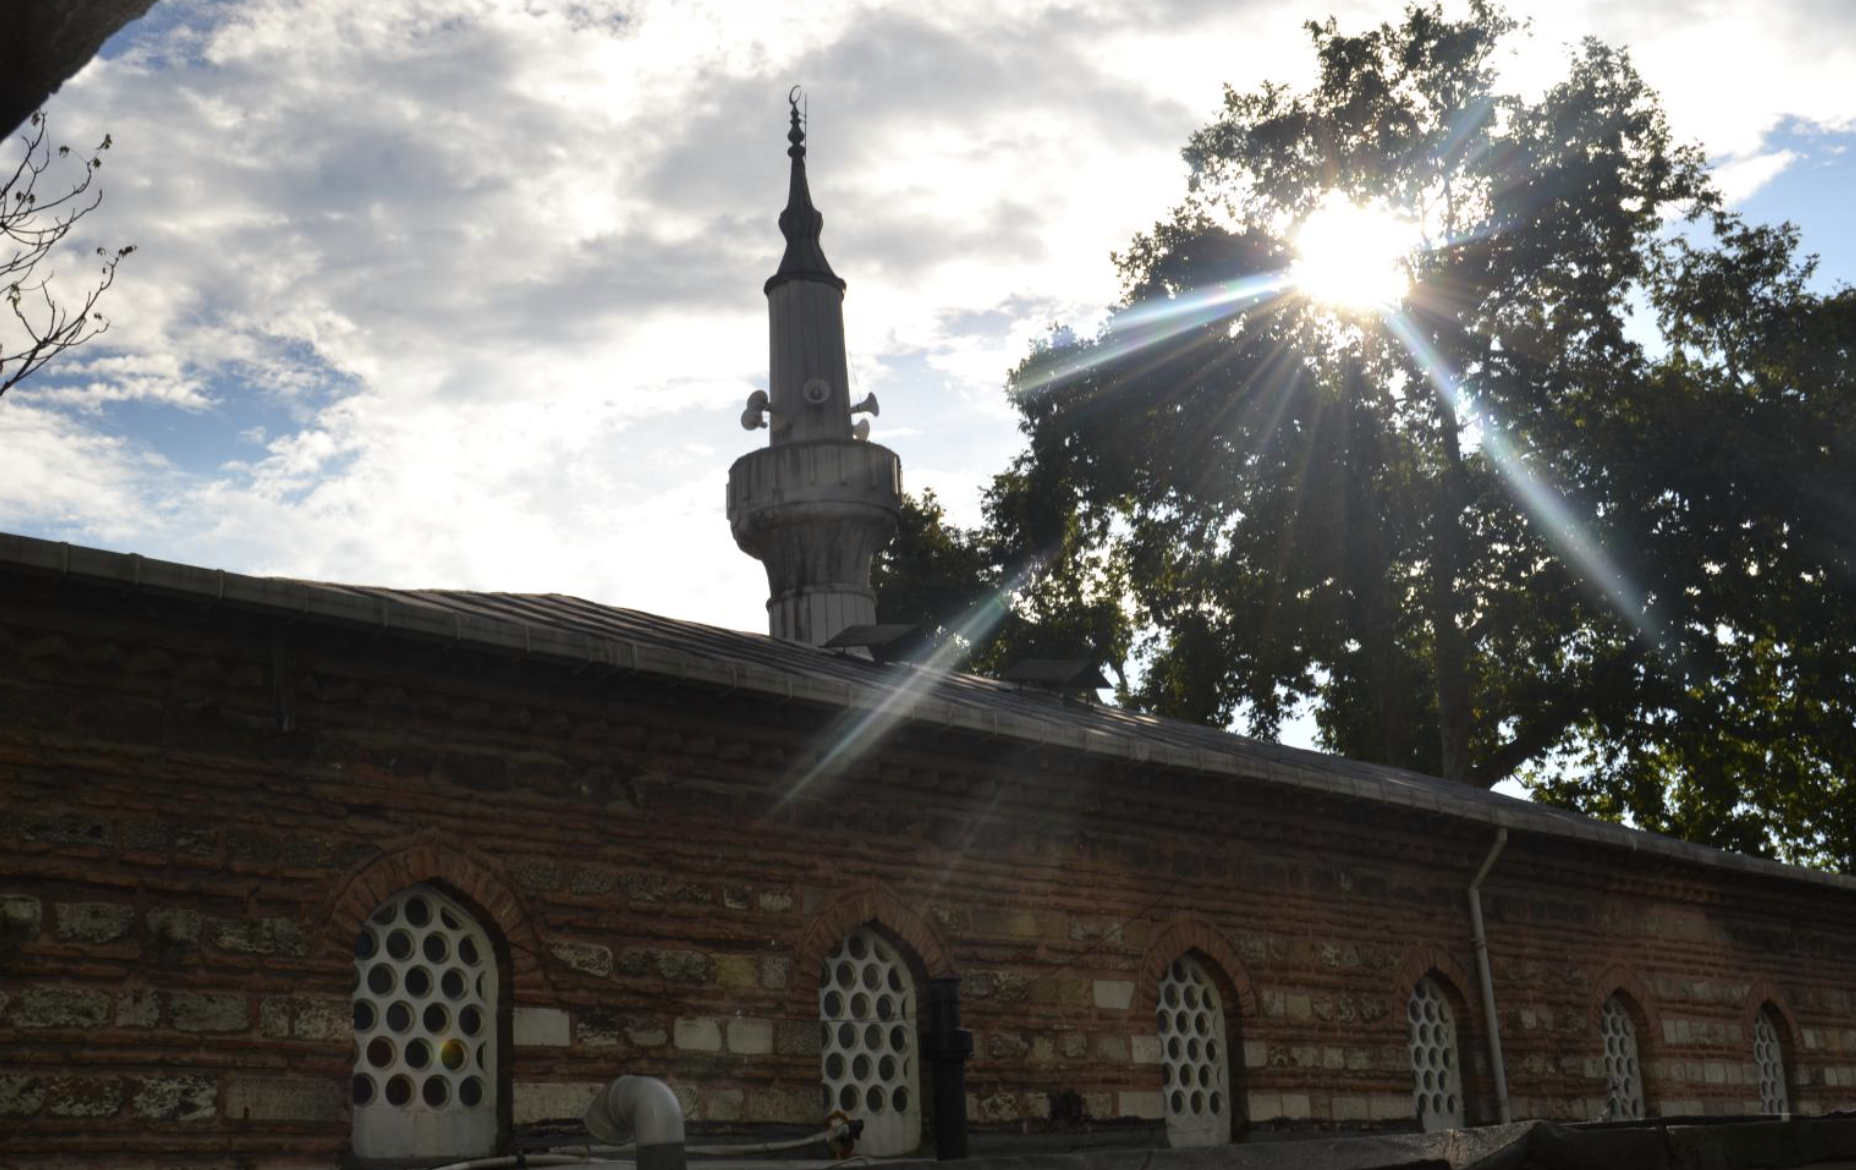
[
  {"x": 1484, "y": 532},
  {"x": 41, "y": 327}
]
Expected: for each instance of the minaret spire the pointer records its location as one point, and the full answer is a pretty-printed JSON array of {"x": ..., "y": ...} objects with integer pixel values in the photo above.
[
  {"x": 801, "y": 222},
  {"x": 819, "y": 500}
]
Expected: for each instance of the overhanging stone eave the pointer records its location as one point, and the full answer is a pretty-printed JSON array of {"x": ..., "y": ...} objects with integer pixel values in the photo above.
[{"x": 402, "y": 614}]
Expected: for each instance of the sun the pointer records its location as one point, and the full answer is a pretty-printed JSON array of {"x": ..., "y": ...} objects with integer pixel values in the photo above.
[{"x": 1353, "y": 257}]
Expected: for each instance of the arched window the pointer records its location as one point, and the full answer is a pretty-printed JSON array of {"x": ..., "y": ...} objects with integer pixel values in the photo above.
[
  {"x": 424, "y": 1030},
  {"x": 1623, "y": 1073},
  {"x": 1194, "y": 1058},
  {"x": 1437, "y": 1080},
  {"x": 1769, "y": 1059},
  {"x": 866, "y": 1011}
]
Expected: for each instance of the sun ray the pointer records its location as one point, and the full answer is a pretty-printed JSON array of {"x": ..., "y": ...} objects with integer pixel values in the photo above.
[{"x": 1564, "y": 531}]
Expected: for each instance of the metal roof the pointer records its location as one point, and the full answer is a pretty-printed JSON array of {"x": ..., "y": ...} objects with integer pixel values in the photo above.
[{"x": 570, "y": 630}]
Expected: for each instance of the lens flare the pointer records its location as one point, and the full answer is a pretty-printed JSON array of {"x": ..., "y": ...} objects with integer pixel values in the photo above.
[
  {"x": 1572, "y": 538},
  {"x": 1353, "y": 257}
]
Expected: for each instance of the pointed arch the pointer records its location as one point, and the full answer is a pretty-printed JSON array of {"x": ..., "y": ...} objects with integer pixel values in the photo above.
[
  {"x": 865, "y": 906},
  {"x": 1619, "y": 979},
  {"x": 1439, "y": 1018},
  {"x": 1193, "y": 932},
  {"x": 1427, "y": 959},
  {"x": 1761, "y": 994},
  {"x": 431, "y": 856}
]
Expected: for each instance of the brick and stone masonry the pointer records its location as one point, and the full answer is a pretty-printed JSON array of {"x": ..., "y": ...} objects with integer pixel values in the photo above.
[{"x": 663, "y": 873}]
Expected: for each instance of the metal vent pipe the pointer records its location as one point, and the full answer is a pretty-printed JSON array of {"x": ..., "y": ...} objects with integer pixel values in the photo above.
[{"x": 643, "y": 1108}]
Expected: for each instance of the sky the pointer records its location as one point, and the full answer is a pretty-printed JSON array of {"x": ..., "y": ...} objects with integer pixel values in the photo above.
[{"x": 468, "y": 294}]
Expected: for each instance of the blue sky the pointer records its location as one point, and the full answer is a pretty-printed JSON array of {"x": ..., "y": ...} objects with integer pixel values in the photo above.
[{"x": 469, "y": 294}]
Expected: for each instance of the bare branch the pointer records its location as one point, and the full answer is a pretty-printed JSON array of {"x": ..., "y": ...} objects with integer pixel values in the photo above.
[{"x": 33, "y": 228}]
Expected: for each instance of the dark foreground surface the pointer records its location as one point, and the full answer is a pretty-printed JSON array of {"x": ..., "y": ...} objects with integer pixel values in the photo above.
[{"x": 1819, "y": 1143}]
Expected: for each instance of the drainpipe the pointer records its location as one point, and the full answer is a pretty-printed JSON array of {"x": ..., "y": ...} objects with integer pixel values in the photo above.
[
  {"x": 645, "y": 1107},
  {"x": 949, "y": 1045},
  {"x": 1488, "y": 982}
]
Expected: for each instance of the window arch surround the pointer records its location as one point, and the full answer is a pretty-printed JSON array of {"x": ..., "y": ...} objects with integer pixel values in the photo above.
[
  {"x": 1195, "y": 938},
  {"x": 874, "y": 914},
  {"x": 1621, "y": 984},
  {"x": 1764, "y": 1000},
  {"x": 1452, "y": 982},
  {"x": 874, "y": 907},
  {"x": 480, "y": 886}
]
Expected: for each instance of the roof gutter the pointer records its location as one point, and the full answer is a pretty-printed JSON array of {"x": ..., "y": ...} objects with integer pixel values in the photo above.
[{"x": 359, "y": 608}]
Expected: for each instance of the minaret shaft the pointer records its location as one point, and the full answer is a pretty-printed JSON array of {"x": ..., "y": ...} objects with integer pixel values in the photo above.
[{"x": 809, "y": 378}]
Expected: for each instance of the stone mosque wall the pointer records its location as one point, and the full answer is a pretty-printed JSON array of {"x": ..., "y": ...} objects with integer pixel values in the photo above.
[{"x": 555, "y": 877}]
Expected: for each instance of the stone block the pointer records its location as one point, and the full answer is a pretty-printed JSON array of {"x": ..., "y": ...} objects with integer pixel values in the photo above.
[
  {"x": 1114, "y": 994},
  {"x": 274, "y": 1017},
  {"x": 262, "y": 936},
  {"x": 682, "y": 966},
  {"x": 61, "y": 1007},
  {"x": 19, "y": 919},
  {"x": 173, "y": 930},
  {"x": 736, "y": 897},
  {"x": 138, "y": 1009},
  {"x": 276, "y": 1098},
  {"x": 1148, "y": 1106},
  {"x": 93, "y": 922},
  {"x": 1007, "y": 1046},
  {"x": 1349, "y": 1108},
  {"x": 535, "y": 873},
  {"x": 1145, "y": 1049},
  {"x": 591, "y": 958},
  {"x": 737, "y": 972},
  {"x": 317, "y": 1017},
  {"x": 1298, "y": 1006},
  {"x": 591, "y": 879},
  {"x": 724, "y": 1105},
  {"x": 775, "y": 901},
  {"x": 784, "y": 1105},
  {"x": 1100, "y": 1106},
  {"x": 540, "y": 1027},
  {"x": 185, "y": 1098},
  {"x": 1390, "y": 1107},
  {"x": 21, "y": 1096},
  {"x": 648, "y": 1036},
  {"x": 68, "y": 829},
  {"x": 1112, "y": 1048},
  {"x": 1264, "y": 1106},
  {"x": 598, "y": 1028},
  {"x": 209, "y": 1011},
  {"x": 1256, "y": 1054},
  {"x": 698, "y": 1035},
  {"x": 532, "y": 1101},
  {"x": 1000, "y": 1107},
  {"x": 776, "y": 972},
  {"x": 71, "y": 1096},
  {"x": 1075, "y": 1045},
  {"x": 795, "y": 1038},
  {"x": 750, "y": 1037},
  {"x": 1296, "y": 1107}
]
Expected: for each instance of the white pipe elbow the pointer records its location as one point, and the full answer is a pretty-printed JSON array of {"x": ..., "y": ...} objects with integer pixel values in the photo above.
[{"x": 637, "y": 1107}]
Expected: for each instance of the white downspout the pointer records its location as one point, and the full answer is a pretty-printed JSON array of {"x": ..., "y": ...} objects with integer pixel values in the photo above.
[{"x": 1488, "y": 982}]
